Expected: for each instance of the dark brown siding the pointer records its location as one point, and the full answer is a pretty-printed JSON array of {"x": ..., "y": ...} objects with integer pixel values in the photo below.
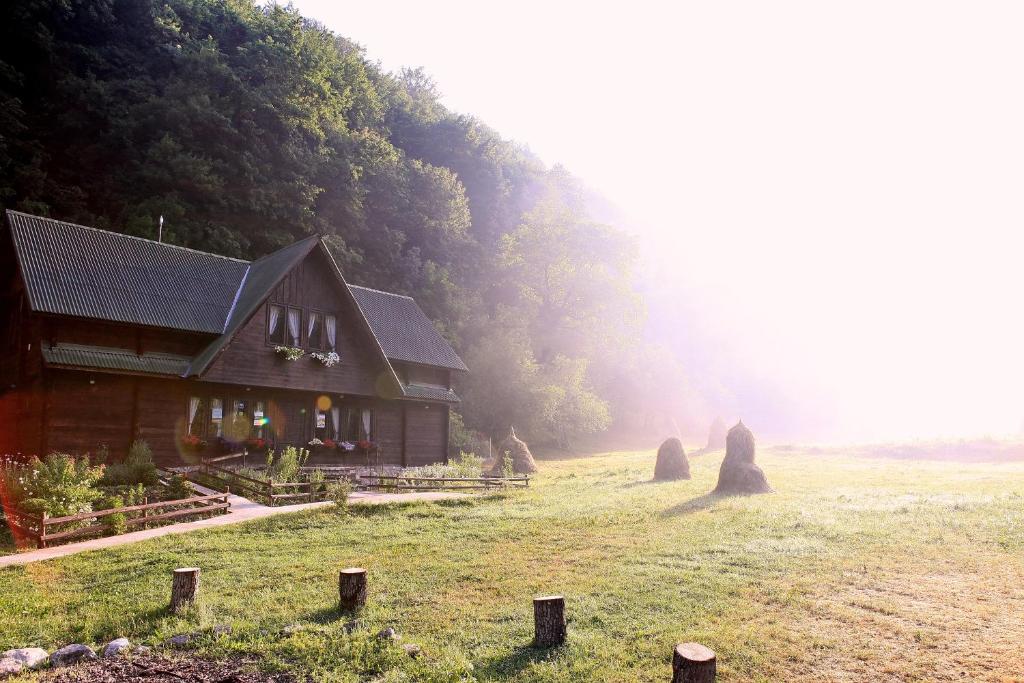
[
  {"x": 96, "y": 333},
  {"x": 81, "y": 416},
  {"x": 250, "y": 360},
  {"x": 425, "y": 433},
  {"x": 387, "y": 417},
  {"x": 161, "y": 415}
]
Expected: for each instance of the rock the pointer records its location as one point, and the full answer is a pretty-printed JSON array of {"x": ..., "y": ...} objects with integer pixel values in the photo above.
[
  {"x": 671, "y": 463},
  {"x": 28, "y": 657},
  {"x": 738, "y": 473},
  {"x": 388, "y": 634},
  {"x": 10, "y": 667},
  {"x": 72, "y": 654},
  {"x": 117, "y": 647},
  {"x": 413, "y": 650},
  {"x": 180, "y": 640}
]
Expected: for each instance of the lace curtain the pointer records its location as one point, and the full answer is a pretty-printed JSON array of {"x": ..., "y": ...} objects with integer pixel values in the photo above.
[
  {"x": 293, "y": 325},
  {"x": 331, "y": 323}
]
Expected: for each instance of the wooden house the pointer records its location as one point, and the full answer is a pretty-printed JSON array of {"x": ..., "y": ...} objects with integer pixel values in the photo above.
[{"x": 108, "y": 338}]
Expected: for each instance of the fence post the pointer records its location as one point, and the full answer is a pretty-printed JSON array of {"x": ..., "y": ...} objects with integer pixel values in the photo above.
[
  {"x": 145, "y": 512},
  {"x": 693, "y": 663},
  {"x": 270, "y": 481},
  {"x": 41, "y": 542}
]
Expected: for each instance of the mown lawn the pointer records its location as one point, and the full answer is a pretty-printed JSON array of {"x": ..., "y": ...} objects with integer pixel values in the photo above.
[{"x": 856, "y": 569}]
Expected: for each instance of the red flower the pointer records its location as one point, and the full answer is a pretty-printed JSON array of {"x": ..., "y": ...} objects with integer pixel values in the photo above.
[
  {"x": 329, "y": 443},
  {"x": 364, "y": 444}
]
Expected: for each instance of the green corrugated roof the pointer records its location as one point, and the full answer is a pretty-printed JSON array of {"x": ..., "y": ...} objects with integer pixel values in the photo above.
[
  {"x": 74, "y": 270},
  {"x": 430, "y": 393},
  {"x": 117, "y": 360}
]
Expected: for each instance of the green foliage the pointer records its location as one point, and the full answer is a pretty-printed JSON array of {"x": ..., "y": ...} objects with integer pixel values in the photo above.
[
  {"x": 316, "y": 480},
  {"x": 248, "y": 127},
  {"x": 61, "y": 485},
  {"x": 507, "y": 465},
  {"x": 116, "y": 523},
  {"x": 137, "y": 468},
  {"x": 338, "y": 493},
  {"x": 285, "y": 467},
  {"x": 178, "y": 488},
  {"x": 467, "y": 465}
]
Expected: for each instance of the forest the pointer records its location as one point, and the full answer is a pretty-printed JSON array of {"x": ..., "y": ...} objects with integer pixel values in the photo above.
[{"x": 247, "y": 127}]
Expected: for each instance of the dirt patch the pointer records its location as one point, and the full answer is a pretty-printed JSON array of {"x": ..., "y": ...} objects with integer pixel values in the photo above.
[{"x": 158, "y": 669}]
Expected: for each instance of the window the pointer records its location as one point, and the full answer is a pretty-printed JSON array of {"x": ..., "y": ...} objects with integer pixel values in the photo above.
[
  {"x": 259, "y": 420},
  {"x": 331, "y": 328},
  {"x": 294, "y": 329},
  {"x": 315, "y": 331},
  {"x": 275, "y": 324},
  {"x": 216, "y": 417},
  {"x": 195, "y": 415}
]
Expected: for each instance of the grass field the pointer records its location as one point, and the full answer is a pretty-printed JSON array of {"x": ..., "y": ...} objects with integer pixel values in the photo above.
[{"x": 856, "y": 569}]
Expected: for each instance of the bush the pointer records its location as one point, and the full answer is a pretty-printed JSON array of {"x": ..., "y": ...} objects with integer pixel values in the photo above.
[
  {"x": 60, "y": 485},
  {"x": 137, "y": 468},
  {"x": 338, "y": 492},
  {"x": 467, "y": 466},
  {"x": 178, "y": 488},
  {"x": 316, "y": 480},
  {"x": 287, "y": 465},
  {"x": 116, "y": 523}
]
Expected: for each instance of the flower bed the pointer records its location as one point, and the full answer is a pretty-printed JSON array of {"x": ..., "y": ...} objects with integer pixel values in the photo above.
[
  {"x": 282, "y": 479},
  {"x": 64, "y": 496}
]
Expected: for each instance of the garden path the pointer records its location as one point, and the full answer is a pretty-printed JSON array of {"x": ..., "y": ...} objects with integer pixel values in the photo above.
[{"x": 242, "y": 510}]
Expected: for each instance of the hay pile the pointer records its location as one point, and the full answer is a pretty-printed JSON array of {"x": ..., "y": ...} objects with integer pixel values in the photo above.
[
  {"x": 716, "y": 435},
  {"x": 671, "y": 463},
  {"x": 739, "y": 474},
  {"x": 522, "y": 459}
]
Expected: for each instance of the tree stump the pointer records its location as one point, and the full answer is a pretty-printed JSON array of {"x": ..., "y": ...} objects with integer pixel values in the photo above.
[
  {"x": 693, "y": 663},
  {"x": 549, "y": 621},
  {"x": 352, "y": 588},
  {"x": 184, "y": 588}
]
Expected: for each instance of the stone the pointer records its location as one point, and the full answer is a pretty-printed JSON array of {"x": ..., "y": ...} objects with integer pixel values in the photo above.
[
  {"x": 388, "y": 634},
  {"x": 28, "y": 657},
  {"x": 117, "y": 647},
  {"x": 72, "y": 654},
  {"x": 10, "y": 667},
  {"x": 180, "y": 640},
  {"x": 413, "y": 650}
]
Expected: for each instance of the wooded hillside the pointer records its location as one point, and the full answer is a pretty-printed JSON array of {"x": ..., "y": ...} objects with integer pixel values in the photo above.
[{"x": 248, "y": 128}]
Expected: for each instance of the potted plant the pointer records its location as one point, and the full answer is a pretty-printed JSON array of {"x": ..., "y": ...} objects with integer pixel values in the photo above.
[
  {"x": 289, "y": 353},
  {"x": 256, "y": 445},
  {"x": 330, "y": 445},
  {"x": 192, "y": 447},
  {"x": 328, "y": 360}
]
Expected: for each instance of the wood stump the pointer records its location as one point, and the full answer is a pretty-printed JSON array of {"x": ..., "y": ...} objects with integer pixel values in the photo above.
[
  {"x": 548, "y": 621},
  {"x": 184, "y": 588},
  {"x": 693, "y": 663},
  {"x": 352, "y": 588}
]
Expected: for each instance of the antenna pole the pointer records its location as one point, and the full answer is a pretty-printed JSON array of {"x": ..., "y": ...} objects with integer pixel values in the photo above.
[{"x": 160, "y": 230}]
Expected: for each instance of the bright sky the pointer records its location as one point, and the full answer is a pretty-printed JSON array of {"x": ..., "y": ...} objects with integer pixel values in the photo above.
[{"x": 837, "y": 188}]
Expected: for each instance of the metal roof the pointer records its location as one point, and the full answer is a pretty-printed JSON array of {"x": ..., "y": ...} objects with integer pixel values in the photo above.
[
  {"x": 103, "y": 358},
  {"x": 79, "y": 271},
  {"x": 74, "y": 270},
  {"x": 404, "y": 330},
  {"x": 430, "y": 393}
]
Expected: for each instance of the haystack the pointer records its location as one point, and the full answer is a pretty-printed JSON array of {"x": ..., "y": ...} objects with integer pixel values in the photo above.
[
  {"x": 716, "y": 435},
  {"x": 671, "y": 463},
  {"x": 738, "y": 473},
  {"x": 522, "y": 459}
]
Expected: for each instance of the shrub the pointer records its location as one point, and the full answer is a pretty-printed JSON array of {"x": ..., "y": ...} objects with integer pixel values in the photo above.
[
  {"x": 61, "y": 485},
  {"x": 116, "y": 523},
  {"x": 287, "y": 465},
  {"x": 178, "y": 487},
  {"x": 316, "y": 480},
  {"x": 137, "y": 468},
  {"x": 338, "y": 492},
  {"x": 468, "y": 466}
]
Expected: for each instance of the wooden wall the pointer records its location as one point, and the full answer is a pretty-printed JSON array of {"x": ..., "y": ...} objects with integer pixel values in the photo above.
[
  {"x": 250, "y": 359},
  {"x": 426, "y": 433}
]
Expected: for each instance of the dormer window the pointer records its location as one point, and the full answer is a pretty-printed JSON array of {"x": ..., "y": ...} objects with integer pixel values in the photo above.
[{"x": 284, "y": 325}]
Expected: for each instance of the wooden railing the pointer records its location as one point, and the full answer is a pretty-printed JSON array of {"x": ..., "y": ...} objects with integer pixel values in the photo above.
[
  {"x": 38, "y": 528},
  {"x": 266, "y": 490},
  {"x": 420, "y": 483}
]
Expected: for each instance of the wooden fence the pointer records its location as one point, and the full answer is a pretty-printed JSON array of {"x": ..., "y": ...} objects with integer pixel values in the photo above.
[
  {"x": 259, "y": 489},
  {"x": 41, "y": 528},
  {"x": 421, "y": 483}
]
